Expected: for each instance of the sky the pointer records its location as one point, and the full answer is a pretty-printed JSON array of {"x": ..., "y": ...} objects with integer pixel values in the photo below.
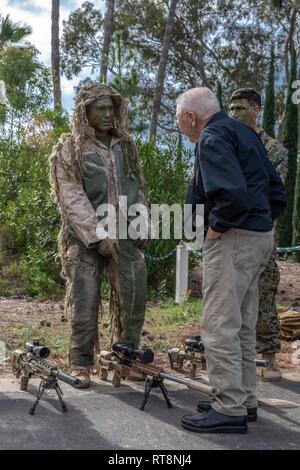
[{"x": 37, "y": 14}]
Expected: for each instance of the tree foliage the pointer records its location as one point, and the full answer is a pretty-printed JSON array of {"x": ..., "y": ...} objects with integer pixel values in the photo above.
[
  {"x": 219, "y": 40},
  {"x": 28, "y": 88},
  {"x": 82, "y": 38},
  {"x": 221, "y": 44},
  {"x": 167, "y": 172}
]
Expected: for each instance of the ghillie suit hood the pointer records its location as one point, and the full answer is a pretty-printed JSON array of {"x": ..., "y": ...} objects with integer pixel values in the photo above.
[
  {"x": 68, "y": 153},
  {"x": 81, "y": 130}
]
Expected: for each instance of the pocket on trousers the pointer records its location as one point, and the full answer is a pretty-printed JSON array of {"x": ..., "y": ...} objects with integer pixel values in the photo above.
[
  {"x": 72, "y": 255},
  {"x": 210, "y": 243}
]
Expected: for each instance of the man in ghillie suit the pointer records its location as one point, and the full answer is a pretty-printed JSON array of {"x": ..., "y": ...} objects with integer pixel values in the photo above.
[
  {"x": 245, "y": 105},
  {"x": 94, "y": 165}
]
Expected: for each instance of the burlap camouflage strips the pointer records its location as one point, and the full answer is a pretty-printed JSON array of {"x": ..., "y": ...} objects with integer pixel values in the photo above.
[
  {"x": 290, "y": 324},
  {"x": 85, "y": 173}
]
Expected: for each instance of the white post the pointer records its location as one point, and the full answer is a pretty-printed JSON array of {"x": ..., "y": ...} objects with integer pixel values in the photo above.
[{"x": 182, "y": 270}]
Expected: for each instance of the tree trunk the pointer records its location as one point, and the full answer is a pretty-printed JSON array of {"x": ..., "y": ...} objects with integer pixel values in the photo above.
[
  {"x": 219, "y": 94},
  {"x": 162, "y": 71},
  {"x": 289, "y": 43},
  {"x": 269, "y": 107},
  {"x": 108, "y": 31},
  {"x": 55, "y": 55}
]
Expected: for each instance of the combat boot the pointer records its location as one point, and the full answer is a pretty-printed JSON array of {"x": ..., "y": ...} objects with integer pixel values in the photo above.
[
  {"x": 272, "y": 373},
  {"x": 83, "y": 374}
]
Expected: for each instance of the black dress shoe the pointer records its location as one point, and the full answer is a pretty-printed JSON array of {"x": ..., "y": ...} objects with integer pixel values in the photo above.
[
  {"x": 205, "y": 405},
  {"x": 213, "y": 422}
]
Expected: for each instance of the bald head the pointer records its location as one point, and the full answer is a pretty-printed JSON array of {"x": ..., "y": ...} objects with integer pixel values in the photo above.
[
  {"x": 194, "y": 108},
  {"x": 200, "y": 100}
]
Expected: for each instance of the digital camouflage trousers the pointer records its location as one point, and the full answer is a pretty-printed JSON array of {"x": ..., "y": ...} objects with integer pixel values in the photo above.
[
  {"x": 85, "y": 269},
  {"x": 268, "y": 326}
]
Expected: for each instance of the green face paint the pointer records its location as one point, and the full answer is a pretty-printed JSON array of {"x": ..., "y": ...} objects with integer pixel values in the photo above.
[
  {"x": 244, "y": 111},
  {"x": 100, "y": 114}
]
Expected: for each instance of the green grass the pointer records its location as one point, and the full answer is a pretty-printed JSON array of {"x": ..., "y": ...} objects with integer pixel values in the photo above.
[
  {"x": 7, "y": 293},
  {"x": 160, "y": 320},
  {"x": 56, "y": 342},
  {"x": 5, "y": 290},
  {"x": 168, "y": 317},
  {"x": 161, "y": 345}
]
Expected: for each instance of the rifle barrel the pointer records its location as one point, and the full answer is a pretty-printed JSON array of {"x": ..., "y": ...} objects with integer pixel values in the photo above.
[
  {"x": 192, "y": 384},
  {"x": 47, "y": 368},
  {"x": 73, "y": 381},
  {"x": 262, "y": 362}
]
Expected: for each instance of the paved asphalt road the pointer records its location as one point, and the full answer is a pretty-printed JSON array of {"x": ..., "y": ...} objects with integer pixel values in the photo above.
[{"x": 105, "y": 417}]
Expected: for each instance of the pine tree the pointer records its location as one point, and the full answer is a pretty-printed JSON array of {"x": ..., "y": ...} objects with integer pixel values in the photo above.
[
  {"x": 289, "y": 140},
  {"x": 269, "y": 107}
]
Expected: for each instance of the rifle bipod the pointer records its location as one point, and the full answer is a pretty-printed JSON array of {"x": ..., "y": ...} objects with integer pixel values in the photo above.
[
  {"x": 49, "y": 383},
  {"x": 154, "y": 383}
]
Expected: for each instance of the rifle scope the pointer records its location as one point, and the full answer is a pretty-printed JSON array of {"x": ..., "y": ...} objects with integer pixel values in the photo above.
[
  {"x": 144, "y": 355},
  {"x": 38, "y": 349},
  {"x": 195, "y": 344}
]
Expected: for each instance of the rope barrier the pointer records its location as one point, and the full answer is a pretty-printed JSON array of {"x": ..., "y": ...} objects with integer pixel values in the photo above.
[
  {"x": 289, "y": 249},
  {"x": 160, "y": 258},
  {"x": 199, "y": 254}
]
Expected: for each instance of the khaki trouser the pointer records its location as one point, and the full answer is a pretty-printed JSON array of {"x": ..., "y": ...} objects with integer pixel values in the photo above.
[
  {"x": 231, "y": 268},
  {"x": 84, "y": 275}
]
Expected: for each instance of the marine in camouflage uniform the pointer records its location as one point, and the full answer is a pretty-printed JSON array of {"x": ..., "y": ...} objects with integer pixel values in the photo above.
[
  {"x": 268, "y": 326},
  {"x": 94, "y": 165},
  {"x": 245, "y": 105}
]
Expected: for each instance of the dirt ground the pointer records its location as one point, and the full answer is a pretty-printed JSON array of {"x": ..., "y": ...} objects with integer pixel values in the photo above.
[{"x": 21, "y": 318}]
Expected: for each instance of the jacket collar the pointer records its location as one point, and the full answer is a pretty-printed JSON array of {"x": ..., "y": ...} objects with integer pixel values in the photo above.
[{"x": 216, "y": 117}]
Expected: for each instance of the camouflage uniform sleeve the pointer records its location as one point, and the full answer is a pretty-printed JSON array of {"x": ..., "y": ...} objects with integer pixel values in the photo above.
[
  {"x": 277, "y": 153},
  {"x": 74, "y": 203},
  {"x": 282, "y": 165},
  {"x": 138, "y": 174}
]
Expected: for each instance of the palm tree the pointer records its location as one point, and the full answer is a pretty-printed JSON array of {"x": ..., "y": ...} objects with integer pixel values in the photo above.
[{"x": 12, "y": 33}]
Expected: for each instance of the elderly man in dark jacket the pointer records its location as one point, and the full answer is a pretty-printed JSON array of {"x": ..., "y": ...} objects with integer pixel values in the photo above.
[{"x": 243, "y": 194}]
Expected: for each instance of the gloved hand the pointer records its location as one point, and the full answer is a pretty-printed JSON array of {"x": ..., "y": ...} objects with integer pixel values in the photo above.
[
  {"x": 140, "y": 243},
  {"x": 108, "y": 248}
]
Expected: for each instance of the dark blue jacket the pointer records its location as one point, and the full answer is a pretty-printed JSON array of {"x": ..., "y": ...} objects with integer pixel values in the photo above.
[{"x": 234, "y": 178}]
